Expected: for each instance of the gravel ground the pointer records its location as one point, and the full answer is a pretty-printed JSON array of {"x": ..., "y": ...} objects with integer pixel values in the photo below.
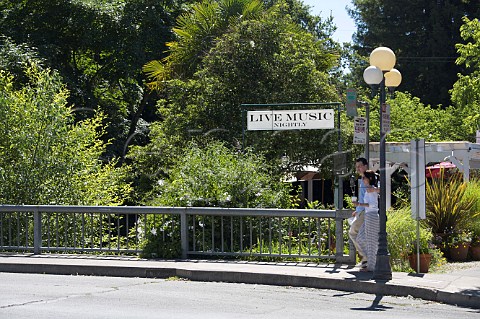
[{"x": 452, "y": 267}]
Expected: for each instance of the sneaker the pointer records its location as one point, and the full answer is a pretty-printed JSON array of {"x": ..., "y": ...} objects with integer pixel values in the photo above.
[{"x": 362, "y": 264}]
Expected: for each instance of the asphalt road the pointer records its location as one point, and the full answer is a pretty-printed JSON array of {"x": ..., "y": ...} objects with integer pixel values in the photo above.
[{"x": 50, "y": 296}]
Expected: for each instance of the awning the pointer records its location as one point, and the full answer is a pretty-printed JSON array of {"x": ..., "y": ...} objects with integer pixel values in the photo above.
[{"x": 435, "y": 171}]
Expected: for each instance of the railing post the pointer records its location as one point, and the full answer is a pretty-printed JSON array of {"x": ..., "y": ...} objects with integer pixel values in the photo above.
[
  {"x": 184, "y": 233},
  {"x": 37, "y": 232},
  {"x": 340, "y": 215},
  {"x": 338, "y": 236}
]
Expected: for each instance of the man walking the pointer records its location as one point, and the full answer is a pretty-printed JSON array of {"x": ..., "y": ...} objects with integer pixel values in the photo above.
[{"x": 361, "y": 165}]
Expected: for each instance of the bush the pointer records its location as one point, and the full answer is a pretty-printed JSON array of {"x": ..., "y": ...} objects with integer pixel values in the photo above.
[
  {"x": 212, "y": 176},
  {"x": 45, "y": 156},
  {"x": 473, "y": 226},
  {"x": 216, "y": 176},
  {"x": 402, "y": 237},
  {"x": 475, "y": 231}
]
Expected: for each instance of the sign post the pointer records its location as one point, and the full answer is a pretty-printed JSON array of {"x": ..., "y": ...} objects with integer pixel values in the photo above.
[
  {"x": 417, "y": 178},
  {"x": 417, "y": 191}
]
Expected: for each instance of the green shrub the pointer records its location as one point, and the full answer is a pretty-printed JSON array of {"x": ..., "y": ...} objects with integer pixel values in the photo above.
[
  {"x": 213, "y": 176},
  {"x": 474, "y": 229},
  {"x": 46, "y": 157},
  {"x": 402, "y": 237},
  {"x": 473, "y": 226},
  {"x": 216, "y": 176},
  {"x": 160, "y": 236}
]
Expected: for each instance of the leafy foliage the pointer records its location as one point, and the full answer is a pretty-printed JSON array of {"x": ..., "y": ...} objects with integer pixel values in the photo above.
[
  {"x": 196, "y": 30},
  {"x": 466, "y": 91},
  {"x": 216, "y": 176},
  {"x": 402, "y": 239},
  {"x": 212, "y": 176},
  {"x": 44, "y": 157},
  {"x": 269, "y": 60},
  {"x": 98, "y": 47},
  {"x": 412, "y": 119}
]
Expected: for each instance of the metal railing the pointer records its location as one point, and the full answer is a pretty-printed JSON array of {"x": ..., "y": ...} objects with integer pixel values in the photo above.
[{"x": 175, "y": 231}]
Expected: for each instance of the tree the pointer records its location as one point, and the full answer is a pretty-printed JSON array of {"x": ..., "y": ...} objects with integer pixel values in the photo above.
[
  {"x": 196, "y": 30},
  {"x": 268, "y": 60},
  {"x": 98, "y": 47},
  {"x": 412, "y": 119},
  {"x": 423, "y": 34},
  {"x": 44, "y": 157},
  {"x": 466, "y": 91}
]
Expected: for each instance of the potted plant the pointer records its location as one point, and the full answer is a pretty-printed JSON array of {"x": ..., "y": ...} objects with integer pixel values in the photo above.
[
  {"x": 422, "y": 254},
  {"x": 475, "y": 244},
  {"x": 458, "y": 244},
  {"x": 450, "y": 206},
  {"x": 475, "y": 248}
]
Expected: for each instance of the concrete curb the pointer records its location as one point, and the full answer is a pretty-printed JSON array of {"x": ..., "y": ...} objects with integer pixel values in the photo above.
[{"x": 362, "y": 283}]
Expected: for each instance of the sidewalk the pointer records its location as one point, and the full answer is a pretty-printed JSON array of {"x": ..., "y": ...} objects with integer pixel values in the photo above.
[{"x": 461, "y": 287}]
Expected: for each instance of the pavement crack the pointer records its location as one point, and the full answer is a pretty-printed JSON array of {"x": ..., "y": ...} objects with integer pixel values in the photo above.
[{"x": 52, "y": 300}]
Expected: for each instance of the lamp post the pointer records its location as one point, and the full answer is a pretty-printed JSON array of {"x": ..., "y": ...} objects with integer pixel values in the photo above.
[{"x": 381, "y": 73}]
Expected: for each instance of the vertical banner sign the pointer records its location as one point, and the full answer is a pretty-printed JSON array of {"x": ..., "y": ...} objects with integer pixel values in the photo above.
[
  {"x": 360, "y": 130},
  {"x": 385, "y": 118},
  {"x": 351, "y": 104},
  {"x": 417, "y": 178}
]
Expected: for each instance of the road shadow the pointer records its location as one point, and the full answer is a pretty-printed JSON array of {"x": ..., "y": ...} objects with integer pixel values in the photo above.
[
  {"x": 413, "y": 274},
  {"x": 359, "y": 275},
  {"x": 471, "y": 292},
  {"x": 375, "y": 306}
]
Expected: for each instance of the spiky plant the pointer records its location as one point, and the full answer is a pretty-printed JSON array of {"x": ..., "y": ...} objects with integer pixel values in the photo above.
[{"x": 449, "y": 208}]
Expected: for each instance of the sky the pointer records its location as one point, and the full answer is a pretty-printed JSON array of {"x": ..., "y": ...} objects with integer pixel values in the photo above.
[{"x": 345, "y": 25}]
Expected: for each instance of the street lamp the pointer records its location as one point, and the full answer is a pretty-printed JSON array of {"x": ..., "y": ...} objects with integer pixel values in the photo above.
[{"x": 381, "y": 72}]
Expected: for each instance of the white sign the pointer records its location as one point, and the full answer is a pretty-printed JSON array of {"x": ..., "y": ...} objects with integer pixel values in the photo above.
[
  {"x": 360, "y": 130},
  {"x": 277, "y": 120},
  {"x": 417, "y": 178},
  {"x": 385, "y": 118}
]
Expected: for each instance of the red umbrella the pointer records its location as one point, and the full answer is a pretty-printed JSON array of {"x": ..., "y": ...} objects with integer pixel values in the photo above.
[{"x": 435, "y": 171}]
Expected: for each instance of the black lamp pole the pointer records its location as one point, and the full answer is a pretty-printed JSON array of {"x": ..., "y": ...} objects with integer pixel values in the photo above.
[
  {"x": 382, "y": 270},
  {"x": 381, "y": 72}
]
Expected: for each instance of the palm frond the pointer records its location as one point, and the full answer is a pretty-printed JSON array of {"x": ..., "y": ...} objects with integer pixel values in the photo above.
[{"x": 156, "y": 73}]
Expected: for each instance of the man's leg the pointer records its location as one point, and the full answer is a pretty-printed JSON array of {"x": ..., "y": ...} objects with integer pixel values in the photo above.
[{"x": 353, "y": 233}]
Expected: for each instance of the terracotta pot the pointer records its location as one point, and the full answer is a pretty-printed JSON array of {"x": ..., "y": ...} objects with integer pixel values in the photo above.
[
  {"x": 424, "y": 262},
  {"x": 459, "y": 252},
  {"x": 475, "y": 252}
]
